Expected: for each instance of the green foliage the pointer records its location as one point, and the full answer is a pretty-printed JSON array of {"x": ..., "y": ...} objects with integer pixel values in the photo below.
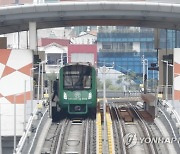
[
  {"x": 132, "y": 75},
  {"x": 108, "y": 83},
  {"x": 120, "y": 79}
]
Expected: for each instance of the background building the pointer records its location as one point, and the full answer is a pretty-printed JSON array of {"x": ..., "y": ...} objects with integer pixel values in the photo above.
[
  {"x": 55, "y": 53},
  {"x": 82, "y": 53},
  {"x": 85, "y": 38},
  {"x": 126, "y": 46}
]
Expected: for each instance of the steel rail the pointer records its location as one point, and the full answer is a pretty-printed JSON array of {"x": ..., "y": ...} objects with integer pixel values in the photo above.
[
  {"x": 115, "y": 131},
  {"x": 51, "y": 138},
  {"x": 85, "y": 137},
  {"x": 158, "y": 146},
  {"x": 61, "y": 136},
  {"x": 152, "y": 148},
  {"x": 118, "y": 124},
  {"x": 74, "y": 136}
]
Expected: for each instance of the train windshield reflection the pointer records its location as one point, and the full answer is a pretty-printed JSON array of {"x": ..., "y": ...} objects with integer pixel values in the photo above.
[{"x": 77, "y": 77}]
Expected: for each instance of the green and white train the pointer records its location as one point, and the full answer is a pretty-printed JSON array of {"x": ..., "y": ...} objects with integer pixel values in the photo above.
[{"x": 77, "y": 89}]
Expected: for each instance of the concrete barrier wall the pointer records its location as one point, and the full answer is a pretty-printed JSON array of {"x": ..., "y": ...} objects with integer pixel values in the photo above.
[
  {"x": 150, "y": 101},
  {"x": 151, "y": 111},
  {"x": 15, "y": 70}
]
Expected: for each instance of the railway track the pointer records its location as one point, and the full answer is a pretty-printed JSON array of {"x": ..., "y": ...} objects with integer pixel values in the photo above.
[
  {"x": 71, "y": 136},
  {"x": 144, "y": 131},
  {"x": 118, "y": 130},
  {"x": 127, "y": 133},
  {"x": 50, "y": 142},
  {"x": 129, "y": 128}
]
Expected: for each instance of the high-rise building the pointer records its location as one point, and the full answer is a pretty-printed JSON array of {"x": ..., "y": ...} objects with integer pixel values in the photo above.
[{"x": 128, "y": 46}]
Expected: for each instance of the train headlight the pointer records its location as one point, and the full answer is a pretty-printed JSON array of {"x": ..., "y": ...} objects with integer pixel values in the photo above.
[
  {"x": 90, "y": 95},
  {"x": 65, "y": 95}
]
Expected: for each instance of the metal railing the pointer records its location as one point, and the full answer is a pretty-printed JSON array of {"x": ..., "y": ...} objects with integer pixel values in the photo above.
[
  {"x": 24, "y": 141},
  {"x": 163, "y": 91},
  {"x": 117, "y": 94},
  {"x": 25, "y": 135},
  {"x": 165, "y": 102},
  {"x": 165, "y": 106}
]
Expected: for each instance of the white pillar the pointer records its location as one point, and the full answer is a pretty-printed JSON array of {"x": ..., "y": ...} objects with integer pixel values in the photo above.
[{"x": 32, "y": 36}]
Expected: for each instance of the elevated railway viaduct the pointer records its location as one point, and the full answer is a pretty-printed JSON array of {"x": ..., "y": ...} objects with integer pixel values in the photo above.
[{"x": 144, "y": 14}]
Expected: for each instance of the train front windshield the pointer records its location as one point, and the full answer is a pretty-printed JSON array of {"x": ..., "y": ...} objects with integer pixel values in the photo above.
[{"x": 77, "y": 77}]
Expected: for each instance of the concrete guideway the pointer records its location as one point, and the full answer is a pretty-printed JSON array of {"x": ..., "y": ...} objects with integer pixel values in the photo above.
[
  {"x": 110, "y": 142},
  {"x": 147, "y": 133},
  {"x": 143, "y": 14}
]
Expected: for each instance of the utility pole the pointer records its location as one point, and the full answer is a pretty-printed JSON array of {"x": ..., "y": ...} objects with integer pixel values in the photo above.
[
  {"x": 166, "y": 85},
  {"x": 167, "y": 81},
  {"x": 42, "y": 81},
  {"x": 143, "y": 68},
  {"x": 145, "y": 73},
  {"x": 60, "y": 63}
]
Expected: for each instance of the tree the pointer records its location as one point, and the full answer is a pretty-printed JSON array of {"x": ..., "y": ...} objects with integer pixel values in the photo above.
[
  {"x": 108, "y": 83},
  {"x": 120, "y": 79}
]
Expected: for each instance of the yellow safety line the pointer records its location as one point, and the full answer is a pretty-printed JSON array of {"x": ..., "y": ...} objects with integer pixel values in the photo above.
[
  {"x": 98, "y": 132},
  {"x": 110, "y": 133}
]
